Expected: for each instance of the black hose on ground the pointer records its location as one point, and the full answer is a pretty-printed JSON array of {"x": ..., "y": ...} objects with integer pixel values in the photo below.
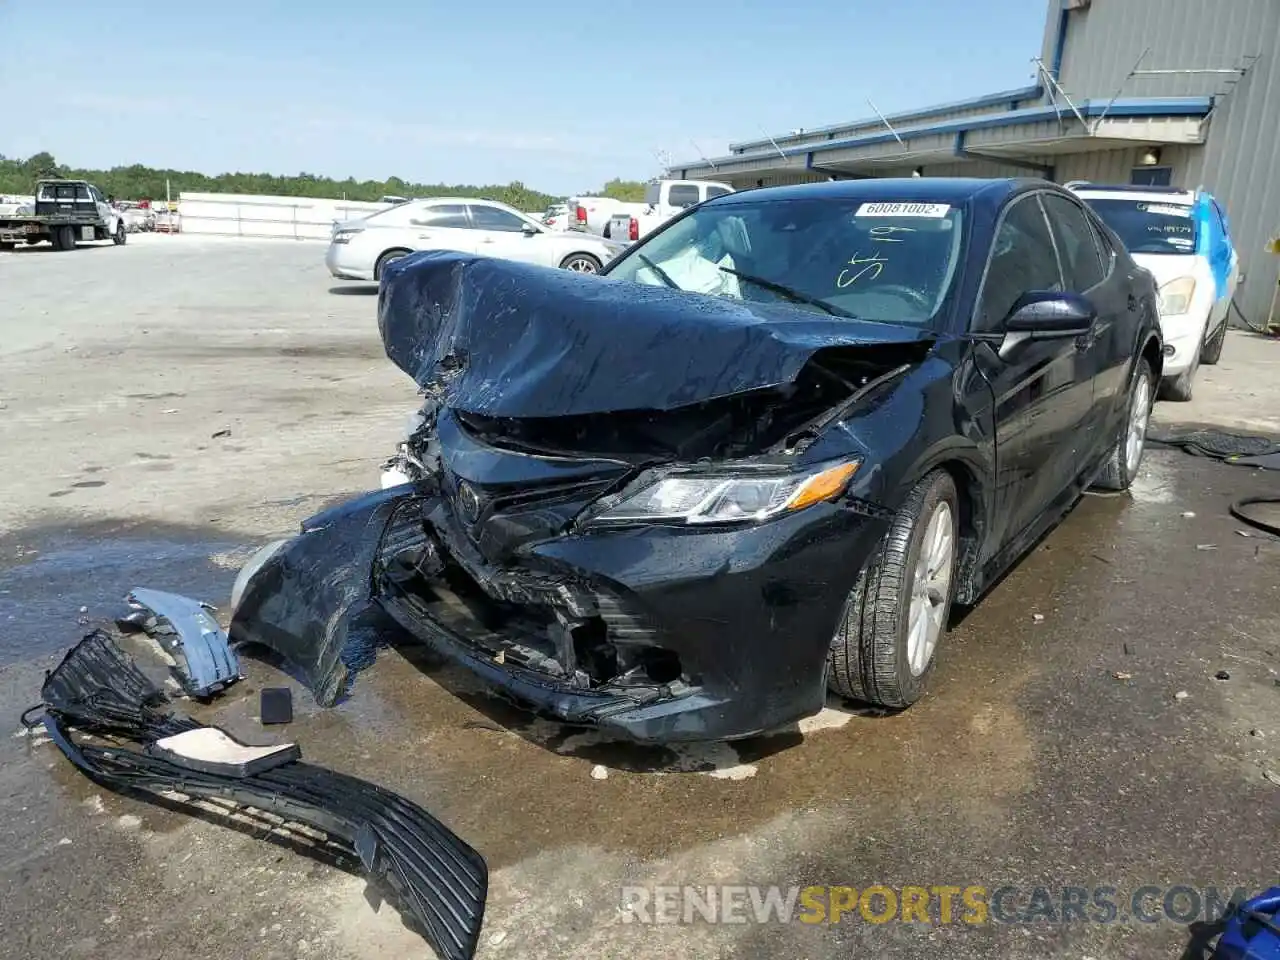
[
  {"x": 1237, "y": 511},
  {"x": 1245, "y": 320}
]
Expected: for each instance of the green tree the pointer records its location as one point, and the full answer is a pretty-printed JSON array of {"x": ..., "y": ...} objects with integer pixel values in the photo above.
[
  {"x": 139, "y": 182},
  {"x": 630, "y": 191}
]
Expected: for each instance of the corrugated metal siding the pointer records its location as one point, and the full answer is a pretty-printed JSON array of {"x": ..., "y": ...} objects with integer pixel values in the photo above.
[
  {"x": 1239, "y": 162},
  {"x": 1105, "y": 40},
  {"x": 1115, "y": 166},
  {"x": 778, "y": 180}
]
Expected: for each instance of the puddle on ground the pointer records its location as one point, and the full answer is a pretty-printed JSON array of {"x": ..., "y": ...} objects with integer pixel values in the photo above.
[{"x": 55, "y": 584}]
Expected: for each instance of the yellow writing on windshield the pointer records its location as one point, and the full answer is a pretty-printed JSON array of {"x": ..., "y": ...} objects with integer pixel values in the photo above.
[{"x": 869, "y": 267}]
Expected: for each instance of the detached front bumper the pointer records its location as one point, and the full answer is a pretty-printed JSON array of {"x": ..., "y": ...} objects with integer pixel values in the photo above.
[{"x": 656, "y": 633}]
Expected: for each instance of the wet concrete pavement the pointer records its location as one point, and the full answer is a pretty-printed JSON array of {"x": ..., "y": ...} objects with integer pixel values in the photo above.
[{"x": 1052, "y": 750}]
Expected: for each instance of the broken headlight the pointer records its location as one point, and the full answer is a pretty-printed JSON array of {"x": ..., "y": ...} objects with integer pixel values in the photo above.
[{"x": 707, "y": 498}]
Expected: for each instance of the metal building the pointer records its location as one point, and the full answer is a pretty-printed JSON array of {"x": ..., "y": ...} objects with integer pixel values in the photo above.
[{"x": 1173, "y": 92}]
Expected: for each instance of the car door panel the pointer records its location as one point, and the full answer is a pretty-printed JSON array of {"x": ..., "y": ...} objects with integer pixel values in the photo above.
[
  {"x": 441, "y": 227},
  {"x": 1042, "y": 389},
  {"x": 500, "y": 233},
  {"x": 1089, "y": 269}
]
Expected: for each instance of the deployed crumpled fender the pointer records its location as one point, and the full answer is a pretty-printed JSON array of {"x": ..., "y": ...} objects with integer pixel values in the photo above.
[
  {"x": 310, "y": 600},
  {"x": 505, "y": 339}
]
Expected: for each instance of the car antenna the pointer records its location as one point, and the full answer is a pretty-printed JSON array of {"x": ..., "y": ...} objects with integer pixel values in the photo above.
[
  {"x": 885, "y": 121},
  {"x": 709, "y": 162}
]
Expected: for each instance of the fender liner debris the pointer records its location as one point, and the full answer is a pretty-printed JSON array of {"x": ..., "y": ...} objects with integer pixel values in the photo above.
[
  {"x": 210, "y": 663},
  {"x": 105, "y": 715}
]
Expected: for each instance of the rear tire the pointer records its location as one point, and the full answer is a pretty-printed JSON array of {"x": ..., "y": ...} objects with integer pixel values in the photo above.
[
  {"x": 7, "y": 245},
  {"x": 1126, "y": 456},
  {"x": 580, "y": 263},
  {"x": 879, "y": 653},
  {"x": 388, "y": 257},
  {"x": 64, "y": 238},
  {"x": 1212, "y": 351}
]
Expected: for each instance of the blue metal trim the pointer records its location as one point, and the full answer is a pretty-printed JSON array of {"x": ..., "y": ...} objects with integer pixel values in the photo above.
[
  {"x": 1060, "y": 42},
  {"x": 986, "y": 100},
  {"x": 1128, "y": 107},
  {"x": 1135, "y": 107}
]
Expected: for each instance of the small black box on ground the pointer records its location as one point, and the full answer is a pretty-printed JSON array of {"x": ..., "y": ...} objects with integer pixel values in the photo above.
[{"x": 277, "y": 705}]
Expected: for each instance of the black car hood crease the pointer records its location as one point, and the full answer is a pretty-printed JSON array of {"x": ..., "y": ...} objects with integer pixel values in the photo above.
[{"x": 504, "y": 339}]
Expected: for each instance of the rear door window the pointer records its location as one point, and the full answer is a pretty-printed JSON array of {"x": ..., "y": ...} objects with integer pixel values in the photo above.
[
  {"x": 444, "y": 216},
  {"x": 1081, "y": 265}
]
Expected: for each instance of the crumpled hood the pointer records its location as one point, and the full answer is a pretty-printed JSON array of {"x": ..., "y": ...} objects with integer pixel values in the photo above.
[{"x": 505, "y": 339}]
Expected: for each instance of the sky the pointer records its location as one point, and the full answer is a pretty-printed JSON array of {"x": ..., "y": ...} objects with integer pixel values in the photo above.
[{"x": 559, "y": 96}]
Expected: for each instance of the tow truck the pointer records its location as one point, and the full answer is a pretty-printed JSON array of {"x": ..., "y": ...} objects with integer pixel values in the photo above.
[{"x": 66, "y": 212}]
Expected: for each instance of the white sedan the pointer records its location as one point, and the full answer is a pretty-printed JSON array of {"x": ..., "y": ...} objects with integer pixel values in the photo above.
[{"x": 360, "y": 249}]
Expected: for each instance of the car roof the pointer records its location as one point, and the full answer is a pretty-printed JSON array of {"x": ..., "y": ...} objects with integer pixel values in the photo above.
[
  {"x": 475, "y": 201},
  {"x": 953, "y": 190},
  {"x": 1132, "y": 192}
]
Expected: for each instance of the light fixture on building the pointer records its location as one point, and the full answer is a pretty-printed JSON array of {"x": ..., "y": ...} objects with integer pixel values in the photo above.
[{"x": 1149, "y": 157}]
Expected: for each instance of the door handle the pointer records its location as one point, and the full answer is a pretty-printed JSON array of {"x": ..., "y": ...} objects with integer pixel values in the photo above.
[{"x": 486, "y": 241}]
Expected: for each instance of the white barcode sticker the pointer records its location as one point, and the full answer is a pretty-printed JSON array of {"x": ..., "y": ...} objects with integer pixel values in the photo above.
[
  {"x": 933, "y": 211},
  {"x": 1166, "y": 209}
]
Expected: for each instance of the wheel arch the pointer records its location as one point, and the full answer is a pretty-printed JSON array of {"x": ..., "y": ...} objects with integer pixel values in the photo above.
[
  {"x": 970, "y": 470},
  {"x": 583, "y": 253},
  {"x": 1151, "y": 353},
  {"x": 380, "y": 262}
]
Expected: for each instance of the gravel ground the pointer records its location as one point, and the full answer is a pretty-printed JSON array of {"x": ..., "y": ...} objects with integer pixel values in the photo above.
[{"x": 1055, "y": 748}]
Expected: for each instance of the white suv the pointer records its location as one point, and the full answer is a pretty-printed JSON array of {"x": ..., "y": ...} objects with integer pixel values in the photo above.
[{"x": 1184, "y": 239}]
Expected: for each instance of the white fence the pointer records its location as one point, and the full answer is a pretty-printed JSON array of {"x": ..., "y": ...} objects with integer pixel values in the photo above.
[{"x": 246, "y": 215}]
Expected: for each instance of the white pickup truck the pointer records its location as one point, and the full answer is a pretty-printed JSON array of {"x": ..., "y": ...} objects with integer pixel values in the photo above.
[
  {"x": 663, "y": 199},
  {"x": 592, "y": 214}
]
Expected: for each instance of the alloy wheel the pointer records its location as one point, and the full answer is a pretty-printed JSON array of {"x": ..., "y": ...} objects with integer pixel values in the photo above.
[{"x": 930, "y": 588}]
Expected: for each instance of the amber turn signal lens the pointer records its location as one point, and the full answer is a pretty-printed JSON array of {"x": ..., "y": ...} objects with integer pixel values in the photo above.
[{"x": 825, "y": 485}]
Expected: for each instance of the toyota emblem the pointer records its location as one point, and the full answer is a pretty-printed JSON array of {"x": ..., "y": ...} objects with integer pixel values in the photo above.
[{"x": 468, "y": 502}]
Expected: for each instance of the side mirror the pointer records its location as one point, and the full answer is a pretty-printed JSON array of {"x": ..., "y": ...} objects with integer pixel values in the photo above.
[
  {"x": 1050, "y": 313},
  {"x": 1046, "y": 315},
  {"x": 529, "y": 230}
]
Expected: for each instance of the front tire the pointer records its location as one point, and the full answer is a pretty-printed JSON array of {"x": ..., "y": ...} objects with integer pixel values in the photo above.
[
  {"x": 1212, "y": 351},
  {"x": 1126, "y": 456},
  {"x": 121, "y": 235},
  {"x": 580, "y": 263},
  {"x": 883, "y": 649}
]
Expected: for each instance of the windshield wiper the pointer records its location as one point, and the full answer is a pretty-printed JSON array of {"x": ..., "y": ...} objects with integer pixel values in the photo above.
[
  {"x": 789, "y": 293},
  {"x": 662, "y": 274}
]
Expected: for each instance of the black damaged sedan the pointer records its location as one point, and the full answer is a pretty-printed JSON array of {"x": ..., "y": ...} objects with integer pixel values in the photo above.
[{"x": 757, "y": 459}]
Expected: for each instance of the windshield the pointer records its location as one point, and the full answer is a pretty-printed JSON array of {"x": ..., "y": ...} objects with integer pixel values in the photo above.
[
  {"x": 1147, "y": 226},
  {"x": 876, "y": 261}
]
